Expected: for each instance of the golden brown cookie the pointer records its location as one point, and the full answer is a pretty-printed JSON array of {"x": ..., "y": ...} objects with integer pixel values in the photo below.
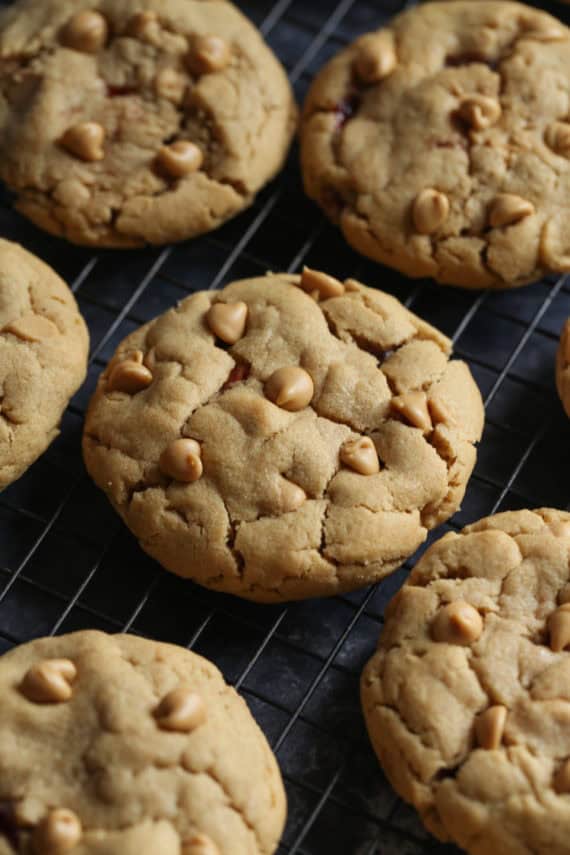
[
  {"x": 467, "y": 700},
  {"x": 43, "y": 357},
  {"x": 441, "y": 144},
  {"x": 124, "y": 123},
  {"x": 287, "y": 437},
  {"x": 116, "y": 745},
  {"x": 563, "y": 367}
]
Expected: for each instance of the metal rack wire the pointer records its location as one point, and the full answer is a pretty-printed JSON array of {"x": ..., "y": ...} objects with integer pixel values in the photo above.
[{"x": 67, "y": 563}]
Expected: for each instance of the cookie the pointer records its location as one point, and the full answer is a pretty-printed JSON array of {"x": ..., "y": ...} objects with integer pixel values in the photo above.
[
  {"x": 467, "y": 700},
  {"x": 563, "y": 367},
  {"x": 125, "y": 123},
  {"x": 286, "y": 437},
  {"x": 116, "y": 745},
  {"x": 441, "y": 144},
  {"x": 43, "y": 357}
]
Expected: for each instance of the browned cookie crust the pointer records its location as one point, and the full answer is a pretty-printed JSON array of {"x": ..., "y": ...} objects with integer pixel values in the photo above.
[
  {"x": 43, "y": 357},
  {"x": 265, "y": 444},
  {"x": 563, "y": 367},
  {"x": 116, "y": 745},
  {"x": 124, "y": 122},
  {"x": 467, "y": 700},
  {"x": 441, "y": 144}
]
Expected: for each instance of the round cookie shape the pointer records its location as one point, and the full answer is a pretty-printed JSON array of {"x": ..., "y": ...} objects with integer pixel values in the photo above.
[
  {"x": 122, "y": 126},
  {"x": 150, "y": 752},
  {"x": 43, "y": 357},
  {"x": 309, "y": 456},
  {"x": 441, "y": 144},
  {"x": 470, "y": 721},
  {"x": 563, "y": 367}
]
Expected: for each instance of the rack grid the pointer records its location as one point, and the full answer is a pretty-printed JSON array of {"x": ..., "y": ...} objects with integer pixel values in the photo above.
[{"x": 67, "y": 563}]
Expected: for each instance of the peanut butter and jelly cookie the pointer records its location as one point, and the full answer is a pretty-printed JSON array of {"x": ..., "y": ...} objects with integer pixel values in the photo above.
[
  {"x": 467, "y": 700},
  {"x": 286, "y": 437},
  {"x": 563, "y": 367},
  {"x": 137, "y": 122},
  {"x": 441, "y": 144},
  {"x": 43, "y": 357},
  {"x": 117, "y": 745}
]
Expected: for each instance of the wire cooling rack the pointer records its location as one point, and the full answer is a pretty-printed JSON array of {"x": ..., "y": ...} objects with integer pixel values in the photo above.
[{"x": 67, "y": 563}]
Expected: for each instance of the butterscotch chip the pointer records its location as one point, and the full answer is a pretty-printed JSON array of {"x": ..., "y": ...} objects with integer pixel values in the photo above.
[
  {"x": 228, "y": 321},
  {"x": 559, "y": 628},
  {"x": 439, "y": 412},
  {"x": 413, "y": 407},
  {"x": 480, "y": 111},
  {"x": 324, "y": 286},
  {"x": 199, "y": 844},
  {"x": 149, "y": 72},
  {"x": 474, "y": 735},
  {"x": 59, "y": 832},
  {"x": 361, "y": 455},
  {"x": 85, "y": 141},
  {"x": 129, "y": 376},
  {"x": 182, "y": 460},
  {"x": 563, "y": 367},
  {"x": 291, "y": 388},
  {"x": 430, "y": 211},
  {"x": 416, "y": 141},
  {"x": 86, "y": 31},
  {"x": 285, "y": 508},
  {"x": 209, "y": 54},
  {"x": 50, "y": 682},
  {"x": 508, "y": 209},
  {"x": 43, "y": 360},
  {"x": 180, "y": 158},
  {"x": 191, "y": 759},
  {"x": 457, "y": 623},
  {"x": 32, "y": 327},
  {"x": 489, "y": 727},
  {"x": 181, "y": 710}
]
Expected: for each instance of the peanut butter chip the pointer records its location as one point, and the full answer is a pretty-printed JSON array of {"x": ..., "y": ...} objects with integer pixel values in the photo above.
[
  {"x": 375, "y": 58},
  {"x": 31, "y": 327},
  {"x": 557, "y": 137},
  {"x": 182, "y": 460},
  {"x": 562, "y": 778},
  {"x": 209, "y": 54},
  {"x": 292, "y": 496},
  {"x": 508, "y": 209},
  {"x": 313, "y": 281},
  {"x": 228, "y": 321},
  {"x": 559, "y": 628},
  {"x": 457, "y": 623},
  {"x": 142, "y": 24},
  {"x": 360, "y": 455},
  {"x": 199, "y": 844},
  {"x": 479, "y": 111},
  {"x": 86, "y": 31},
  {"x": 291, "y": 388},
  {"x": 85, "y": 141},
  {"x": 430, "y": 211},
  {"x": 49, "y": 682},
  {"x": 60, "y": 831},
  {"x": 439, "y": 412},
  {"x": 129, "y": 376},
  {"x": 181, "y": 710},
  {"x": 413, "y": 407},
  {"x": 180, "y": 158},
  {"x": 489, "y": 727}
]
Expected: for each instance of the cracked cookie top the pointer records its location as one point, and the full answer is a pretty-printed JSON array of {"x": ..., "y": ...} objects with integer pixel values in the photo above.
[
  {"x": 563, "y": 367},
  {"x": 441, "y": 144},
  {"x": 125, "y": 122},
  {"x": 286, "y": 437},
  {"x": 467, "y": 700},
  {"x": 43, "y": 357},
  {"x": 117, "y": 744}
]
